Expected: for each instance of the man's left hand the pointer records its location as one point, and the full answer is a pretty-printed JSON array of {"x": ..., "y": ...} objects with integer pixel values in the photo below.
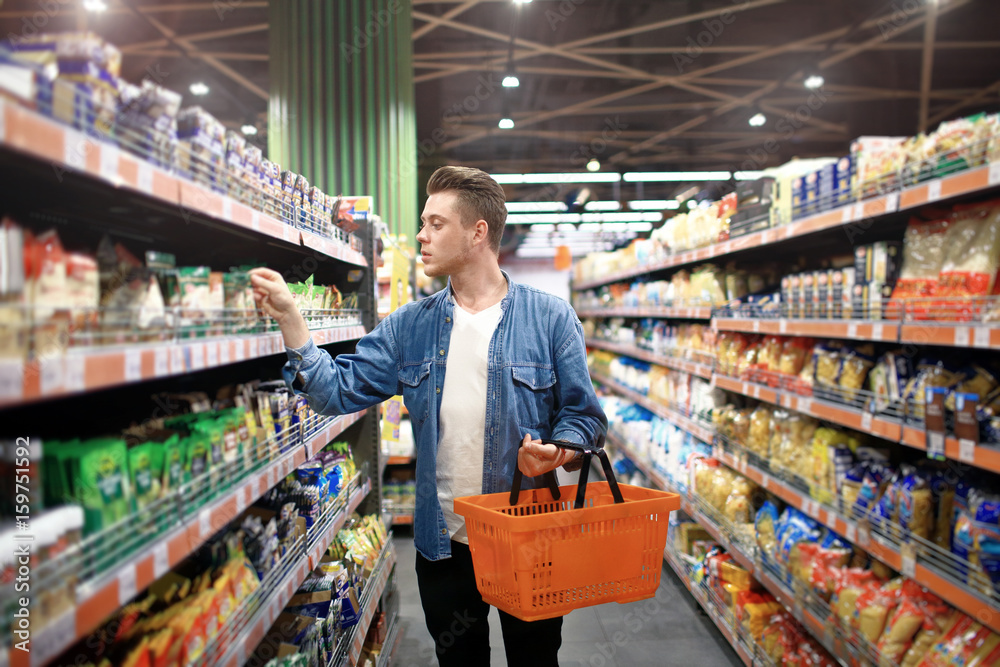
[{"x": 536, "y": 459}]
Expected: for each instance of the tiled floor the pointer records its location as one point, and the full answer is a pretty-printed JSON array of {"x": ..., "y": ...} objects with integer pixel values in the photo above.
[{"x": 667, "y": 629}]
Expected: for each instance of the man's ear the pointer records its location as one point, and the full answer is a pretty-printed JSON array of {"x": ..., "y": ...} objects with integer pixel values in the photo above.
[{"x": 482, "y": 232}]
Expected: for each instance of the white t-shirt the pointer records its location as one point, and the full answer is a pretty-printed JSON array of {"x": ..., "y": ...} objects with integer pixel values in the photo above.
[{"x": 463, "y": 413}]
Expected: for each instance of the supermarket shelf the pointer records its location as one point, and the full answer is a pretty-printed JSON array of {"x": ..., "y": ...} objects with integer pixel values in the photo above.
[
  {"x": 350, "y": 644},
  {"x": 242, "y": 647},
  {"x": 67, "y": 149},
  {"x": 966, "y": 335},
  {"x": 389, "y": 646},
  {"x": 683, "y": 365},
  {"x": 400, "y": 460},
  {"x": 402, "y": 519},
  {"x": 968, "y": 452},
  {"x": 651, "y": 474},
  {"x": 678, "y": 313},
  {"x": 959, "y": 184},
  {"x": 701, "y": 432},
  {"x": 859, "y": 533},
  {"x": 92, "y": 369},
  {"x": 847, "y": 329},
  {"x": 710, "y": 610},
  {"x": 98, "y": 599}
]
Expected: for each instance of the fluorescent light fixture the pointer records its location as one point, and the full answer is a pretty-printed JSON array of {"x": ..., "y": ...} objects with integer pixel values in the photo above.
[
  {"x": 654, "y": 205},
  {"x": 675, "y": 176},
  {"x": 198, "y": 88},
  {"x": 514, "y": 179},
  {"x": 757, "y": 120},
  {"x": 511, "y": 81},
  {"x": 506, "y": 124},
  {"x": 620, "y": 217},
  {"x": 587, "y": 227},
  {"x": 522, "y": 2},
  {"x": 593, "y": 165},
  {"x": 748, "y": 175},
  {"x": 814, "y": 82},
  {"x": 575, "y": 218},
  {"x": 640, "y": 226},
  {"x": 249, "y": 129},
  {"x": 541, "y": 229},
  {"x": 602, "y": 206},
  {"x": 567, "y": 227},
  {"x": 535, "y": 206},
  {"x": 96, "y": 6}
]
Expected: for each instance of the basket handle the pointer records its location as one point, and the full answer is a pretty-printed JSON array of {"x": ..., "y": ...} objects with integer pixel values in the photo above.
[{"x": 581, "y": 488}]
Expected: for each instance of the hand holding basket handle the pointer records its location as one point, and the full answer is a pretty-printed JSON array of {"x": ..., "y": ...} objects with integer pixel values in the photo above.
[{"x": 581, "y": 489}]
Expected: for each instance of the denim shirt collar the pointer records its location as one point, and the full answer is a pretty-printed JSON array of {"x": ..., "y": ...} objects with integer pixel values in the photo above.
[{"x": 449, "y": 299}]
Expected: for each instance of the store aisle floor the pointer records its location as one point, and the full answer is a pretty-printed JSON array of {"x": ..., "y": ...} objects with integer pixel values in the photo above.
[{"x": 668, "y": 629}]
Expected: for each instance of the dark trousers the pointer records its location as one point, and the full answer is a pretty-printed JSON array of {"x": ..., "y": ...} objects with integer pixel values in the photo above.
[{"x": 457, "y": 618}]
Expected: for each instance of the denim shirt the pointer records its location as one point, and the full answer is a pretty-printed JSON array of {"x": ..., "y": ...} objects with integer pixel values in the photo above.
[{"x": 538, "y": 383}]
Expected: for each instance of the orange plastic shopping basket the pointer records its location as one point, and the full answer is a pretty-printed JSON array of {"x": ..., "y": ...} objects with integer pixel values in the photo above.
[{"x": 538, "y": 556}]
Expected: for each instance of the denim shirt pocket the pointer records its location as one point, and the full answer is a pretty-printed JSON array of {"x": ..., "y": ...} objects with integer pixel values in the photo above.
[
  {"x": 417, "y": 390},
  {"x": 534, "y": 399}
]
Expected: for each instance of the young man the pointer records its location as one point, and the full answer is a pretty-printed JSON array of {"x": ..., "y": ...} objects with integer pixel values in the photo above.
[{"x": 483, "y": 366}]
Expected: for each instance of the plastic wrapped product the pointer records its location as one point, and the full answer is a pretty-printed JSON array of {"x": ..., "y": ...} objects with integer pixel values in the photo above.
[
  {"x": 760, "y": 431},
  {"x": 916, "y": 505}
]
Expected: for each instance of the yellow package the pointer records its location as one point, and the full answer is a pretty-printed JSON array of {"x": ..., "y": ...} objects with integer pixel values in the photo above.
[{"x": 759, "y": 435}]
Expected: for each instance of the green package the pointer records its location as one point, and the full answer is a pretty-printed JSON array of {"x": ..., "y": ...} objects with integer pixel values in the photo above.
[
  {"x": 142, "y": 473},
  {"x": 197, "y": 456},
  {"x": 102, "y": 484}
]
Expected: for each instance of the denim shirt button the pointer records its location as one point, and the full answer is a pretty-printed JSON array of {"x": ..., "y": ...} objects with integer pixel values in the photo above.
[
  {"x": 444, "y": 531},
  {"x": 438, "y": 390},
  {"x": 447, "y": 320},
  {"x": 441, "y": 352}
]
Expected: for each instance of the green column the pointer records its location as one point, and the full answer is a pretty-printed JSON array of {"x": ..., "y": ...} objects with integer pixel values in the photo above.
[{"x": 342, "y": 100}]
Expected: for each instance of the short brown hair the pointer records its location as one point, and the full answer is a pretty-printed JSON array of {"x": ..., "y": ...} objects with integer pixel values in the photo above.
[{"x": 479, "y": 198}]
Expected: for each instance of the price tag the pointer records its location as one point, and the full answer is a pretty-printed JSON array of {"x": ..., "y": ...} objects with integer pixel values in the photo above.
[
  {"x": 11, "y": 379},
  {"x": 254, "y": 348},
  {"x": 205, "y": 523},
  {"x": 48, "y": 643},
  {"x": 74, "y": 378},
  {"x": 161, "y": 560},
  {"x": 935, "y": 445},
  {"x": 765, "y": 481},
  {"x": 197, "y": 356},
  {"x": 133, "y": 365},
  {"x": 75, "y": 149},
  {"x": 981, "y": 337},
  {"x": 851, "y": 533},
  {"x": 877, "y": 332},
  {"x": 144, "y": 176},
  {"x": 3, "y": 124},
  {"x": 962, "y": 336},
  {"x": 51, "y": 376},
  {"x": 967, "y": 451},
  {"x": 866, "y": 421},
  {"x": 255, "y": 220},
  {"x": 852, "y": 330},
  {"x": 847, "y": 215},
  {"x": 224, "y": 352},
  {"x": 126, "y": 584},
  {"x": 178, "y": 363},
  {"x": 109, "y": 162},
  {"x": 241, "y": 350},
  {"x": 805, "y": 405},
  {"x": 908, "y": 553},
  {"x": 864, "y": 534},
  {"x": 934, "y": 190},
  {"x": 783, "y": 326},
  {"x": 211, "y": 354},
  {"x": 744, "y": 388},
  {"x": 241, "y": 499},
  {"x": 274, "y": 609},
  {"x": 286, "y": 233},
  {"x": 227, "y": 208},
  {"x": 161, "y": 359},
  {"x": 859, "y": 211},
  {"x": 892, "y": 203},
  {"x": 994, "y": 171},
  {"x": 271, "y": 475},
  {"x": 756, "y": 326}
]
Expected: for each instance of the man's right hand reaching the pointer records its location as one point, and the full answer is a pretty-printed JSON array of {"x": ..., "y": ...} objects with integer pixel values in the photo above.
[{"x": 274, "y": 298}]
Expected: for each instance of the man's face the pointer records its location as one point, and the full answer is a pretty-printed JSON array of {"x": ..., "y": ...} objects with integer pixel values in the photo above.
[{"x": 445, "y": 243}]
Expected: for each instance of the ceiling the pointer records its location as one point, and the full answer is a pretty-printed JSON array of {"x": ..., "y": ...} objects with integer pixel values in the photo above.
[{"x": 640, "y": 85}]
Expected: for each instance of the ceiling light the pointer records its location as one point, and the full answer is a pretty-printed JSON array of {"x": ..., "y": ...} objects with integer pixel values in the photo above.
[
  {"x": 654, "y": 205},
  {"x": 198, "y": 88},
  {"x": 602, "y": 206},
  {"x": 249, "y": 129},
  {"x": 675, "y": 176},
  {"x": 510, "y": 79},
  {"x": 512, "y": 179},
  {"x": 535, "y": 206},
  {"x": 748, "y": 175},
  {"x": 757, "y": 120},
  {"x": 691, "y": 204},
  {"x": 522, "y": 2},
  {"x": 576, "y": 218},
  {"x": 506, "y": 124},
  {"x": 593, "y": 165},
  {"x": 96, "y": 6},
  {"x": 814, "y": 82}
]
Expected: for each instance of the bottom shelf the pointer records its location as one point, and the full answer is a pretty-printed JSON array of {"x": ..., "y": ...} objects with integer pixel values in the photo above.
[
  {"x": 350, "y": 644},
  {"x": 737, "y": 641}
]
